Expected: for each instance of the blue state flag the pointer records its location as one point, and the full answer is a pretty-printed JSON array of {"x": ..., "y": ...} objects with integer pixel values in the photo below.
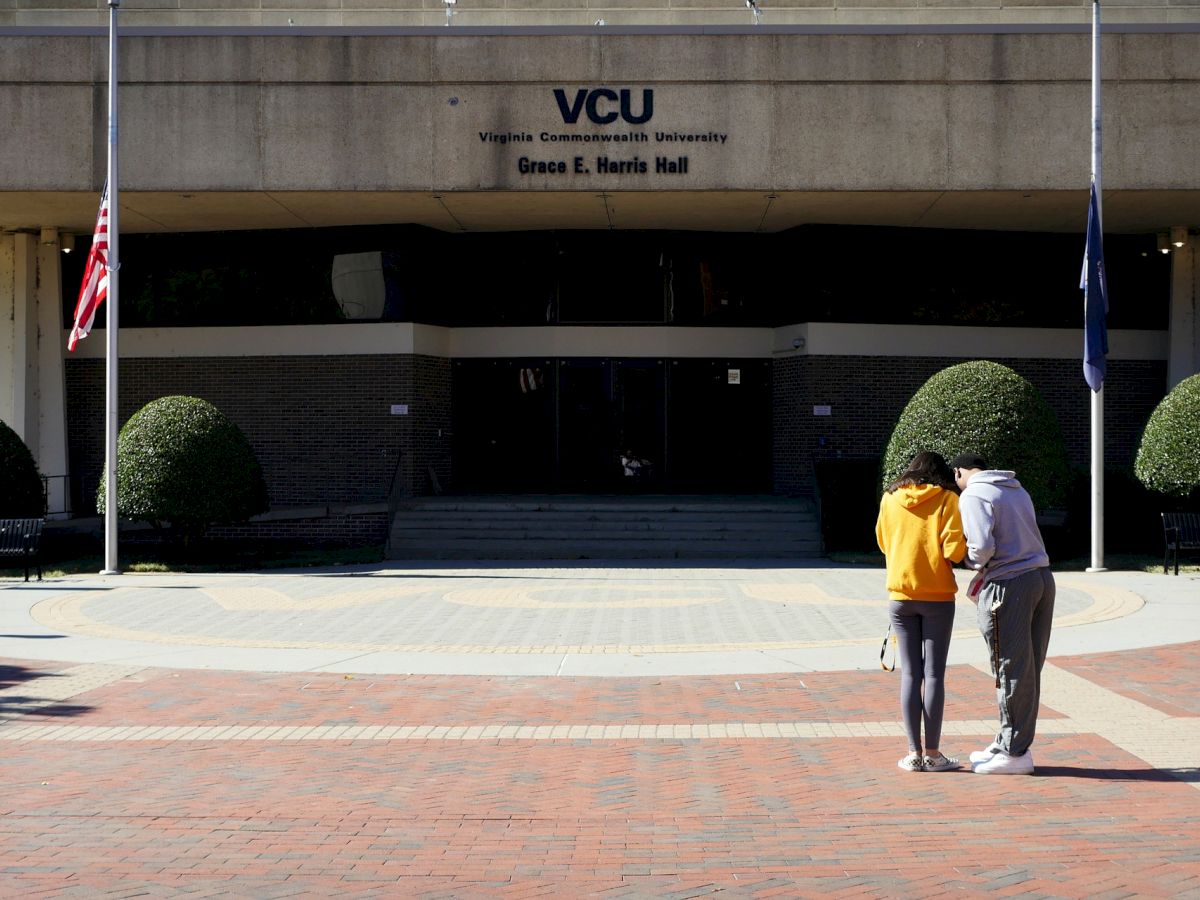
[{"x": 1095, "y": 300}]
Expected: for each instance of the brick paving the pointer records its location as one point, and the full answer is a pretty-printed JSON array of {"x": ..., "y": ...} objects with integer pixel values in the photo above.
[
  {"x": 749, "y": 816},
  {"x": 169, "y": 697},
  {"x": 126, "y": 779},
  {"x": 1155, "y": 676}
]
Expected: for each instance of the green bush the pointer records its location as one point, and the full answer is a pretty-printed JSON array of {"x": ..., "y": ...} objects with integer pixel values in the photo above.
[
  {"x": 986, "y": 408},
  {"x": 1168, "y": 458},
  {"x": 180, "y": 462},
  {"x": 20, "y": 484}
]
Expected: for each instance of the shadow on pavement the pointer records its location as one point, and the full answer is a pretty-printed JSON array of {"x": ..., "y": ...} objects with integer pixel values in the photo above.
[
  {"x": 49, "y": 585},
  {"x": 1159, "y": 775},
  {"x": 22, "y": 705},
  {"x": 33, "y": 637}
]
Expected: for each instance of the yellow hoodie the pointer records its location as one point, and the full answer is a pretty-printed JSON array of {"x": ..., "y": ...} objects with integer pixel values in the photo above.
[{"x": 920, "y": 532}]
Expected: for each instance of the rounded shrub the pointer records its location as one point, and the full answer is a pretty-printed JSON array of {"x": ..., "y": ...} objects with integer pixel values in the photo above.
[
  {"x": 986, "y": 408},
  {"x": 181, "y": 462},
  {"x": 20, "y": 484},
  {"x": 1168, "y": 458}
]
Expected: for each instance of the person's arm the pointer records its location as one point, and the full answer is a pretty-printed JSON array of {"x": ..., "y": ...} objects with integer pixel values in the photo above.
[
  {"x": 879, "y": 526},
  {"x": 978, "y": 521},
  {"x": 954, "y": 543}
]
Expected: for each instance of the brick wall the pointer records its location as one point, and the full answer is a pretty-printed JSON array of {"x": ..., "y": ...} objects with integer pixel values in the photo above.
[
  {"x": 367, "y": 528},
  {"x": 320, "y": 425},
  {"x": 430, "y": 438},
  {"x": 868, "y": 394},
  {"x": 323, "y": 431}
]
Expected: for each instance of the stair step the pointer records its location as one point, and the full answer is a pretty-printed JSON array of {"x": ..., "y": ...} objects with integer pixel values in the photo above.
[
  {"x": 567, "y": 527},
  {"x": 606, "y": 515},
  {"x": 617, "y": 507},
  {"x": 608, "y": 553},
  {"x": 545, "y": 537},
  {"x": 598, "y": 529},
  {"x": 581, "y": 546}
]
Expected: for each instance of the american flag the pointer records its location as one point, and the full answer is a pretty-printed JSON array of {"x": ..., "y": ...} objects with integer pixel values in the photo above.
[{"x": 95, "y": 277}]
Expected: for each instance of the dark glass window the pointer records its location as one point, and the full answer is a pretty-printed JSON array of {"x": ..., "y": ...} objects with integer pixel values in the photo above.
[
  {"x": 983, "y": 278},
  {"x": 817, "y": 273}
]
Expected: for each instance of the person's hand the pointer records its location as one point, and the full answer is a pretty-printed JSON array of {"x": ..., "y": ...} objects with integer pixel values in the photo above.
[{"x": 976, "y": 585}]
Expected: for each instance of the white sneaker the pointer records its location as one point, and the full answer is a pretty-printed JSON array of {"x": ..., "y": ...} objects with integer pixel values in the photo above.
[
  {"x": 978, "y": 756},
  {"x": 1003, "y": 764}
]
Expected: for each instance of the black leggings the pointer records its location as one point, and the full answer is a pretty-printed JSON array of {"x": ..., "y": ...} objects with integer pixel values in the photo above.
[{"x": 923, "y": 641}]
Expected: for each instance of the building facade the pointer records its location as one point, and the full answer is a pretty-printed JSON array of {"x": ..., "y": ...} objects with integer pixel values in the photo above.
[{"x": 728, "y": 250}]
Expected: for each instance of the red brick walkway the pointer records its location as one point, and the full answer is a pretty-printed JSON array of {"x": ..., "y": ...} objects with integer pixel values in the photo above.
[{"x": 663, "y": 817}]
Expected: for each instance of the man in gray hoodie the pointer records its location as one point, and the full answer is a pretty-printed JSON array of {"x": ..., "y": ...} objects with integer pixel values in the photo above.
[{"x": 1014, "y": 606}]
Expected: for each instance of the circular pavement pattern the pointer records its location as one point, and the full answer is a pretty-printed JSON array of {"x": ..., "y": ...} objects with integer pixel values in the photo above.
[{"x": 528, "y": 610}]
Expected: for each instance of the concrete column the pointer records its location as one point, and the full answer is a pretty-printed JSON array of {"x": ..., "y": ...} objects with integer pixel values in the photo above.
[
  {"x": 8, "y": 331},
  {"x": 1183, "y": 357},
  {"x": 32, "y": 386},
  {"x": 18, "y": 275},
  {"x": 51, "y": 449}
]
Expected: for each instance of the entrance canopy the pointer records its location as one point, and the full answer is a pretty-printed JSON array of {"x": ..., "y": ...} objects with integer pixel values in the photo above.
[{"x": 1128, "y": 211}]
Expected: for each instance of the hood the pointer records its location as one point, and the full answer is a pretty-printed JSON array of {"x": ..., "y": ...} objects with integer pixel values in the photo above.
[
  {"x": 998, "y": 477},
  {"x": 913, "y": 495}
]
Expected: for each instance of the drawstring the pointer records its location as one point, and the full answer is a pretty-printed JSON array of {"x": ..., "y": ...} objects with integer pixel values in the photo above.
[{"x": 996, "y": 645}]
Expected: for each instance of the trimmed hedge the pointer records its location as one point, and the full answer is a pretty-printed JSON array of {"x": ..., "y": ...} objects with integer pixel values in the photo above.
[
  {"x": 21, "y": 494},
  {"x": 1168, "y": 458},
  {"x": 989, "y": 409},
  {"x": 181, "y": 462}
]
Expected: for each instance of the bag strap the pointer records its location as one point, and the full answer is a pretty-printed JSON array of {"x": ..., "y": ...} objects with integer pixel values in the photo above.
[{"x": 888, "y": 637}]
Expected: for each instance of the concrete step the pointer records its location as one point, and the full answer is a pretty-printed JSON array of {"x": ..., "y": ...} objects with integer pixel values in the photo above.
[
  {"x": 608, "y": 528},
  {"x": 582, "y": 527},
  {"x": 574, "y": 545},
  {"x": 605, "y": 551},
  {"x": 615, "y": 505},
  {"x": 648, "y": 538},
  {"x": 552, "y": 545},
  {"x": 635, "y": 512}
]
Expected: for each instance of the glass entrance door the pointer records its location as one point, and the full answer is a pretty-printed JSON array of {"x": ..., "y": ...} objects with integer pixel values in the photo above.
[
  {"x": 719, "y": 426},
  {"x": 503, "y": 425},
  {"x": 611, "y": 424},
  {"x": 603, "y": 426}
]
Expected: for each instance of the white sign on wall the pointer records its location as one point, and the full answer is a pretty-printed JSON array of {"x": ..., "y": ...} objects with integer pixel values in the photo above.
[
  {"x": 399, "y": 409},
  {"x": 822, "y": 410}
]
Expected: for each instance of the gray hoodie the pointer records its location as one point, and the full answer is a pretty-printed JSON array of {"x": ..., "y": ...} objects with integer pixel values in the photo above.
[{"x": 1001, "y": 527}]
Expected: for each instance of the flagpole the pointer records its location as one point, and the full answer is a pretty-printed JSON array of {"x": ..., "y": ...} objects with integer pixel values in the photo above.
[
  {"x": 1097, "y": 399},
  {"x": 111, "y": 421}
]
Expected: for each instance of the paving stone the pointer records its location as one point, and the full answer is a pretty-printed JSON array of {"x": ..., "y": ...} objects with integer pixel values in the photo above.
[{"x": 147, "y": 781}]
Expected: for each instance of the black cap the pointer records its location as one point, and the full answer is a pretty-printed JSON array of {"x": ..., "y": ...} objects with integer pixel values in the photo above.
[{"x": 968, "y": 461}]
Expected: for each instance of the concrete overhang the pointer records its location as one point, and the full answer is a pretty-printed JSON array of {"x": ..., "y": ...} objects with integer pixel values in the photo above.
[
  {"x": 931, "y": 126},
  {"x": 482, "y": 211}
]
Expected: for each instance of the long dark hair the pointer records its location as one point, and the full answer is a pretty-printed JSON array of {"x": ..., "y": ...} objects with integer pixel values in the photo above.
[{"x": 927, "y": 467}]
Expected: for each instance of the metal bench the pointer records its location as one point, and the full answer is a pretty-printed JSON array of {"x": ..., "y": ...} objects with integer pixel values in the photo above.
[
  {"x": 1181, "y": 531},
  {"x": 22, "y": 538}
]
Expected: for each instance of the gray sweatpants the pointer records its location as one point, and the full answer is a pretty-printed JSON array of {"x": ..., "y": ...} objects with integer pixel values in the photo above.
[{"x": 1014, "y": 616}]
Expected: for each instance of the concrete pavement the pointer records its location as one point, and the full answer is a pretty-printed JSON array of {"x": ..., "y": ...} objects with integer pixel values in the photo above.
[
  {"x": 392, "y": 733},
  {"x": 541, "y": 619}
]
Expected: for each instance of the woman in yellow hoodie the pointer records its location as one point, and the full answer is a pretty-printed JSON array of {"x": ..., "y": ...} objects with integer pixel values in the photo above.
[{"x": 920, "y": 532}]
